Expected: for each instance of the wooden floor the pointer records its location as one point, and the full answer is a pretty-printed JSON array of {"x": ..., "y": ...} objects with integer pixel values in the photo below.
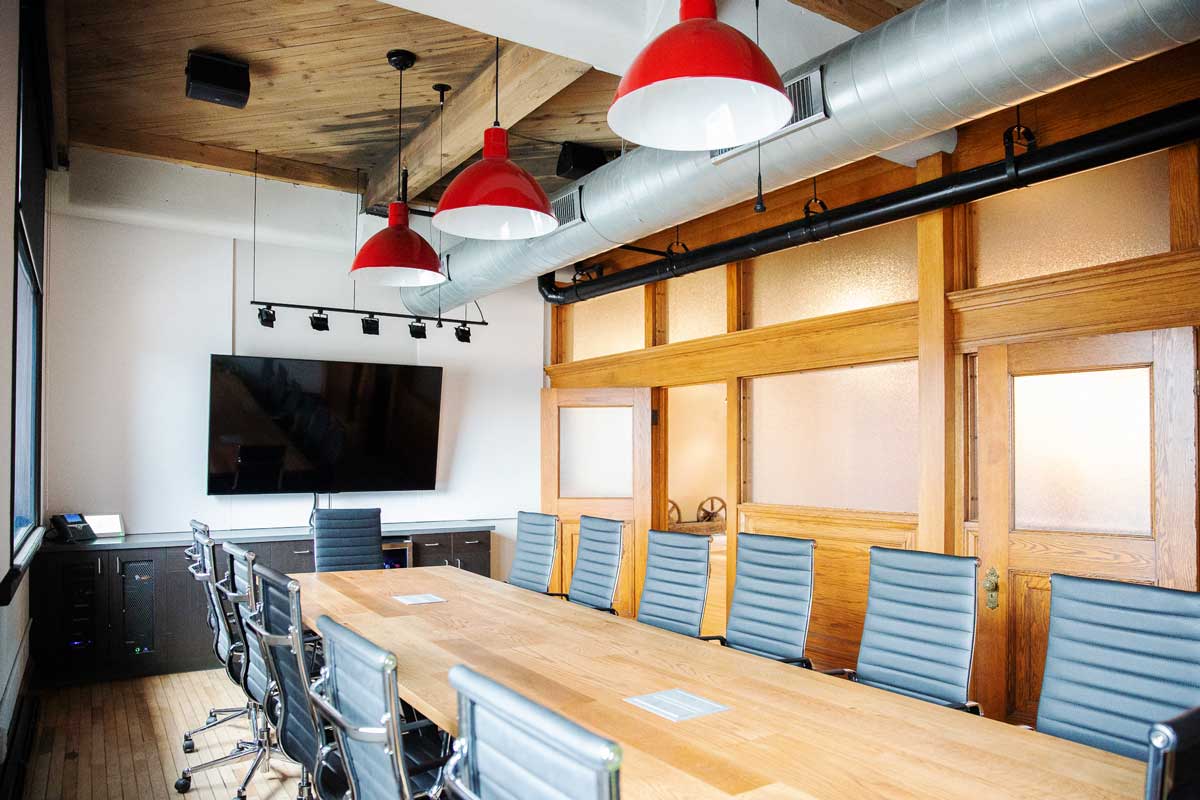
[{"x": 121, "y": 741}]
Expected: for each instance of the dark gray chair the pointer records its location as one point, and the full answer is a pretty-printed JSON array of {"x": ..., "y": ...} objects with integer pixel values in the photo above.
[
  {"x": 279, "y": 629},
  {"x": 772, "y": 598},
  {"x": 919, "y": 633},
  {"x": 1173, "y": 770},
  {"x": 537, "y": 542},
  {"x": 226, "y": 648},
  {"x": 676, "y": 584},
  {"x": 597, "y": 563},
  {"x": 1120, "y": 657},
  {"x": 357, "y": 697},
  {"x": 510, "y": 747},
  {"x": 347, "y": 539}
]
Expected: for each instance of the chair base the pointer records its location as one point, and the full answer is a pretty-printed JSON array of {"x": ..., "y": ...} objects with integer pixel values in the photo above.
[
  {"x": 260, "y": 748},
  {"x": 216, "y": 718}
]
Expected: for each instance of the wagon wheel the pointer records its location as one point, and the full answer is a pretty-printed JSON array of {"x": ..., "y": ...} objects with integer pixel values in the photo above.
[
  {"x": 674, "y": 515},
  {"x": 710, "y": 510}
]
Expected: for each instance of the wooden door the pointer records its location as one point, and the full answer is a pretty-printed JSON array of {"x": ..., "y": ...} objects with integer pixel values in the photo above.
[
  {"x": 1102, "y": 432},
  {"x": 615, "y": 470}
]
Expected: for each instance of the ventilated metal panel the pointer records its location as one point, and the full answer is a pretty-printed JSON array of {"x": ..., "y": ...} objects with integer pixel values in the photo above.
[
  {"x": 808, "y": 107},
  {"x": 137, "y": 607}
]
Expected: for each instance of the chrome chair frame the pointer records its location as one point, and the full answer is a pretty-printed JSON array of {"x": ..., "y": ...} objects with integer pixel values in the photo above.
[{"x": 1162, "y": 779}]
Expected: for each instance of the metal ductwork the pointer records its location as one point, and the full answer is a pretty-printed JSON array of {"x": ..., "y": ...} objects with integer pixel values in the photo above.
[{"x": 934, "y": 67}]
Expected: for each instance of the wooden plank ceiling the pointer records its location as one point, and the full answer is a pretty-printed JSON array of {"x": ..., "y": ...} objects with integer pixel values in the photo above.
[{"x": 321, "y": 90}]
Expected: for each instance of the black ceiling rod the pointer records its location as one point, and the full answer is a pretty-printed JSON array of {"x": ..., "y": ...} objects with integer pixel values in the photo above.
[{"x": 1136, "y": 137}]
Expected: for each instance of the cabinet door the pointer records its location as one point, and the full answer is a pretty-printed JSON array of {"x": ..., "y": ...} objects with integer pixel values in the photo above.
[
  {"x": 70, "y": 608},
  {"x": 432, "y": 550},
  {"x": 294, "y": 557},
  {"x": 188, "y": 635},
  {"x": 137, "y": 610},
  {"x": 473, "y": 552}
]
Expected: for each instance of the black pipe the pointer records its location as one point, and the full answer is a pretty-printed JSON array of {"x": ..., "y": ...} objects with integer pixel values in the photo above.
[{"x": 1139, "y": 136}]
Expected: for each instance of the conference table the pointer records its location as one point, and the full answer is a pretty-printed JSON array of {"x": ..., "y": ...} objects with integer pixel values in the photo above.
[{"x": 787, "y": 731}]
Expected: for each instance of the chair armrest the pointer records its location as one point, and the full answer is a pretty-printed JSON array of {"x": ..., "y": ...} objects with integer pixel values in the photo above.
[
  {"x": 405, "y": 727},
  {"x": 802, "y": 661},
  {"x": 1025, "y": 727},
  {"x": 971, "y": 707},
  {"x": 556, "y": 594},
  {"x": 842, "y": 672},
  {"x": 427, "y": 766},
  {"x": 720, "y": 639}
]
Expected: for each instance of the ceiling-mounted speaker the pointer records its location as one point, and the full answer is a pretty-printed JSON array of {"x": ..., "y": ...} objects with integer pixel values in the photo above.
[
  {"x": 576, "y": 160},
  {"x": 216, "y": 79}
]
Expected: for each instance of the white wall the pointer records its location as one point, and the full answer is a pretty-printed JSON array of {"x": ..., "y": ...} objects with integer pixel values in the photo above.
[
  {"x": 14, "y": 618},
  {"x": 134, "y": 311}
]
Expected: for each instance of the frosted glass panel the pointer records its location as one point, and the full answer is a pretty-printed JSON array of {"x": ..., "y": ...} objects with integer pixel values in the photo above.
[
  {"x": 870, "y": 268},
  {"x": 595, "y": 452},
  {"x": 1082, "y": 449},
  {"x": 610, "y": 324},
  {"x": 695, "y": 445},
  {"x": 1096, "y": 217},
  {"x": 696, "y": 305},
  {"x": 839, "y": 438}
]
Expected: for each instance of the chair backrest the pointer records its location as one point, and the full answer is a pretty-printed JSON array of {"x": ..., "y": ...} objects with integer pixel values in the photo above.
[
  {"x": 203, "y": 569},
  {"x": 1173, "y": 769},
  {"x": 537, "y": 541},
  {"x": 347, "y": 539},
  {"x": 597, "y": 562},
  {"x": 676, "y": 583},
  {"x": 357, "y": 696},
  {"x": 279, "y": 628},
  {"x": 1120, "y": 657},
  {"x": 510, "y": 747},
  {"x": 772, "y": 595},
  {"x": 242, "y": 596},
  {"x": 919, "y": 633}
]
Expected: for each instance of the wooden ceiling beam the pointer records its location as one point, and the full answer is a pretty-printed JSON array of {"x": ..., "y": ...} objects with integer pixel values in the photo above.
[
  {"x": 861, "y": 15},
  {"x": 196, "y": 154},
  {"x": 528, "y": 78}
]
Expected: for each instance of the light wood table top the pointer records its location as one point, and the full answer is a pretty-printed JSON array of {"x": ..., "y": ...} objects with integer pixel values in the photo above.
[{"x": 789, "y": 732}]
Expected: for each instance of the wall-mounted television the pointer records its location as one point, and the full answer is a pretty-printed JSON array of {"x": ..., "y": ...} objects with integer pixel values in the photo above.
[{"x": 283, "y": 425}]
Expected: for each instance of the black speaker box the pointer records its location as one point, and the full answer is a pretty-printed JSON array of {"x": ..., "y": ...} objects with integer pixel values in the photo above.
[
  {"x": 577, "y": 160},
  {"x": 216, "y": 79}
]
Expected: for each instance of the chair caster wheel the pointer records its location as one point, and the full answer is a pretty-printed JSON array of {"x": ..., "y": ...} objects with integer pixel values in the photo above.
[
  {"x": 188, "y": 747},
  {"x": 183, "y": 784}
]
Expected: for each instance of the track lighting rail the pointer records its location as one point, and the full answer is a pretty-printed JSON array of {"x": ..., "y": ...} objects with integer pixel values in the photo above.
[{"x": 362, "y": 312}]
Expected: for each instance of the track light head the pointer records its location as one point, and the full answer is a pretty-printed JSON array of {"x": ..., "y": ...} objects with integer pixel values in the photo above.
[
  {"x": 266, "y": 316},
  {"x": 463, "y": 333},
  {"x": 319, "y": 320},
  {"x": 416, "y": 329},
  {"x": 370, "y": 325}
]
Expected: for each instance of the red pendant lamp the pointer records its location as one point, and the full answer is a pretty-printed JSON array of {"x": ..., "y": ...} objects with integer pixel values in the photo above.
[
  {"x": 700, "y": 85},
  {"x": 397, "y": 255},
  {"x": 494, "y": 198}
]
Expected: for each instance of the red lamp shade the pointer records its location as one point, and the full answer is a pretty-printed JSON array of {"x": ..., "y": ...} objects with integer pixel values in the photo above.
[
  {"x": 494, "y": 198},
  {"x": 397, "y": 255},
  {"x": 700, "y": 85}
]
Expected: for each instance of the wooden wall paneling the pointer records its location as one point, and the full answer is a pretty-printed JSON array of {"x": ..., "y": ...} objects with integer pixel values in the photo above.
[
  {"x": 1139, "y": 294},
  {"x": 560, "y": 334},
  {"x": 737, "y": 296},
  {"x": 937, "y": 364},
  {"x": 1176, "y": 382},
  {"x": 1185, "y": 195},
  {"x": 841, "y": 564},
  {"x": 1028, "y": 630},
  {"x": 883, "y": 333},
  {"x": 990, "y": 677},
  {"x": 736, "y": 433},
  {"x": 655, "y": 310},
  {"x": 645, "y": 489}
]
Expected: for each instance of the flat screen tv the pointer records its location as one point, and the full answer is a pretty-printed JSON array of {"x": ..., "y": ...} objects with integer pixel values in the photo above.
[{"x": 281, "y": 425}]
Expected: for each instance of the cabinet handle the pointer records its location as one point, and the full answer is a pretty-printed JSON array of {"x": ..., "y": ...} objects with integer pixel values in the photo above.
[
  {"x": 431, "y": 544},
  {"x": 99, "y": 567},
  {"x": 302, "y": 552},
  {"x": 471, "y": 541},
  {"x": 446, "y": 562},
  {"x": 459, "y": 562}
]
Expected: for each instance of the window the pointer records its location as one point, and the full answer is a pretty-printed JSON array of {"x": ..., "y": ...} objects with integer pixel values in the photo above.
[{"x": 25, "y": 401}]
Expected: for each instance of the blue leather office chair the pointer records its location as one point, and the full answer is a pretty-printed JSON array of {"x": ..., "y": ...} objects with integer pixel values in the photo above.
[
  {"x": 239, "y": 592},
  {"x": 510, "y": 747},
  {"x": 225, "y": 645},
  {"x": 347, "y": 539},
  {"x": 1120, "y": 656},
  {"x": 537, "y": 543},
  {"x": 772, "y": 598},
  {"x": 1173, "y": 770},
  {"x": 919, "y": 633},
  {"x": 279, "y": 627},
  {"x": 597, "y": 563},
  {"x": 357, "y": 697},
  {"x": 676, "y": 584}
]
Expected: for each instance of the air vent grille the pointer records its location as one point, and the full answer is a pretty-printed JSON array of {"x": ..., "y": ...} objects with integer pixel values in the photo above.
[
  {"x": 808, "y": 106},
  {"x": 566, "y": 208}
]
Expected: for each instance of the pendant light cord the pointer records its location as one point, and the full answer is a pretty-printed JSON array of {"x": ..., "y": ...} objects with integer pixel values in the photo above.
[
  {"x": 400, "y": 189},
  {"x": 254, "y": 235},
  {"x": 496, "y": 123},
  {"x": 760, "y": 204}
]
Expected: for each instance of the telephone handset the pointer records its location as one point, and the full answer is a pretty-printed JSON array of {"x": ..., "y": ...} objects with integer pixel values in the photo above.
[{"x": 71, "y": 528}]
